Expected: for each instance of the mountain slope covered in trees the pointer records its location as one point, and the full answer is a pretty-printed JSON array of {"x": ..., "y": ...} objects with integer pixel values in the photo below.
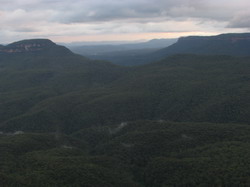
[
  {"x": 73, "y": 92},
  {"x": 224, "y": 44},
  {"x": 66, "y": 120}
]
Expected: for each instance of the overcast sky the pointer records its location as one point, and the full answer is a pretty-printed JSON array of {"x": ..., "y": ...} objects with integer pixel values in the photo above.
[{"x": 102, "y": 20}]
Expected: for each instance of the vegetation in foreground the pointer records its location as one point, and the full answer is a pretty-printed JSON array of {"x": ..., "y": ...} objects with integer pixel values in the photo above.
[{"x": 69, "y": 121}]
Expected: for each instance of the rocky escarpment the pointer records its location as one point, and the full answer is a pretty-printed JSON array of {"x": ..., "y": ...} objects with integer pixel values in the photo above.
[
  {"x": 33, "y": 46},
  {"x": 223, "y": 37},
  {"x": 224, "y": 44}
]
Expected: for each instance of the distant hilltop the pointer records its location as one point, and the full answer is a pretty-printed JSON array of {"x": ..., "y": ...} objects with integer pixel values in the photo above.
[
  {"x": 224, "y": 44},
  {"x": 27, "y": 46},
  {"x": 223, "y": 37},
  {"x": 33, "y": 46}
]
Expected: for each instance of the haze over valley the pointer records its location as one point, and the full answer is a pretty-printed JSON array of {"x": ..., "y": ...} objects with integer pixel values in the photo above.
[{"x": 130, "y": 93}]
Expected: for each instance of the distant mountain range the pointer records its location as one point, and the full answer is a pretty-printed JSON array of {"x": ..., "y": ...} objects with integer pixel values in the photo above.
[
  {"x": 96, "y": 50},
  {"x": 123, "y": 54},
  {"x": 224, "y": 44},
  {"x": 140, "y": 53}
]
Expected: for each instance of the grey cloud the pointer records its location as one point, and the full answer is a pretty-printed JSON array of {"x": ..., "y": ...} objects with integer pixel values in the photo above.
[
  {"x": 110, "y": 10},
  {"x": 97, "y": 10},
  {"x": 77, "y": 11},
  {"x": 146, "y": 10},
  {"x": 81, "y": 17},
  {"x": 240, "y": 21},
  {"x": 26, "y": 29}
]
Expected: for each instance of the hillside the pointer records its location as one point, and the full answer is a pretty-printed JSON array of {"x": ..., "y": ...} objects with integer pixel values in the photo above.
[
  {"x": 134, "y": 57},
  {"x": 224, "y": 44},
  {"x": 179, "y": 88},
  {"x": 27, "y": 79},
  {"x": 66, "y": 120}
]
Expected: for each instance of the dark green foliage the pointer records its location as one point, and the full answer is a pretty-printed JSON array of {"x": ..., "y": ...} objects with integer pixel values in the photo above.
[
  {"x": 26, "y": 81},
  {"x": 172, "y": 154},
  {"x": 127, "y": 58},
  {"x": 152, "y": 153},
  {"x": 45, "y": 160},
  {"x": 69, "y": 121},
  {"x": 76, "y": 93}
]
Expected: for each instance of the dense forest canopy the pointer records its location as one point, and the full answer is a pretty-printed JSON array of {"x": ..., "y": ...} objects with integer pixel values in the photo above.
[{"x": 66, "y": 120}]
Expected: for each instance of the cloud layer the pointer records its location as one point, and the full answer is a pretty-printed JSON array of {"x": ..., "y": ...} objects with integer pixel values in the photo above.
[{"x": 59, "y": 19}]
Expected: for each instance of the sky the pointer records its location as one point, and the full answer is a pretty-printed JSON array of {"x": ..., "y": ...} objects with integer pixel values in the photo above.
[{"x": 120, "y": 20}]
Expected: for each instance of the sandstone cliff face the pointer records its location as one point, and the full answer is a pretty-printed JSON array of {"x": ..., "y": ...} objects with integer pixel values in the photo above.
[
  {"x": 224, "y": 44},
  {"x": 22, "y": 48},
  {"x": 34, "y": 46},
  {"x": 27, "y": 46}
]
